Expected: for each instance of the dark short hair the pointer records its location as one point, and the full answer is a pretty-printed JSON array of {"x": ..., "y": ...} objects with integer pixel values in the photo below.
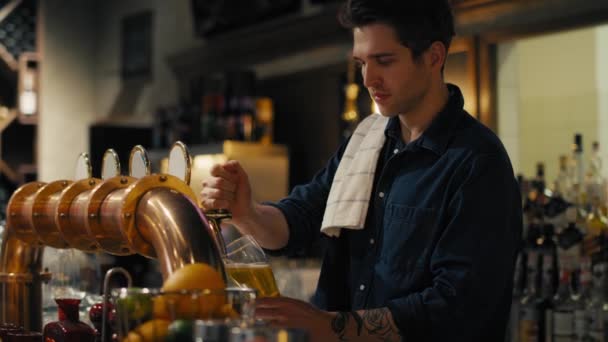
[{"x": 418, "y": 23}]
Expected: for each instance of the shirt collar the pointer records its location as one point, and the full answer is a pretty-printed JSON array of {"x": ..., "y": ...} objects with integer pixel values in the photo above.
[{"x": 439, "y": 132}]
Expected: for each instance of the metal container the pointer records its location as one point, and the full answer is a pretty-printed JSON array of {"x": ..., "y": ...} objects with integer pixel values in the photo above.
[{"x": 211, "y": 331}]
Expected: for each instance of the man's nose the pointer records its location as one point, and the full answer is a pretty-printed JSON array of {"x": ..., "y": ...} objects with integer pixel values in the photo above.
[{"x": 371, "y": 78}]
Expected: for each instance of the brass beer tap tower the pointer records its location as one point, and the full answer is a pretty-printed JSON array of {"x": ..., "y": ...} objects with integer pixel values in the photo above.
[{"x": 155, "y": 215}]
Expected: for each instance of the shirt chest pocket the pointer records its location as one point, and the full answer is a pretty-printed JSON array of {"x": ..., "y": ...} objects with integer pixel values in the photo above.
[{"x": 407, "y": 233}]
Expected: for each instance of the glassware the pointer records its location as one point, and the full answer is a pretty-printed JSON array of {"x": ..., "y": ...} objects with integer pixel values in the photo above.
[
  {"x": 24, "y": 336},
  {"x": 154, "y": 315},
  {"x": 246, "y": 265},
  {"x": 6, "y": 328},
  {"x": 66, "y": 266}
]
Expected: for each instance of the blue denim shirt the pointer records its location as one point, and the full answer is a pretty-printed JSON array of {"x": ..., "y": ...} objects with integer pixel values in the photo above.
[{"x": 441, "y": 234}]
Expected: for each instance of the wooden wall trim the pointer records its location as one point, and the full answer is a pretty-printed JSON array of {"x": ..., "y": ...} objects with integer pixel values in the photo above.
[
  {"x": 494, "y": 20},
  {"x": 506, "y": 19},
  {"x": 486, "y": 91},
  {"x": 262, "y": 43}
]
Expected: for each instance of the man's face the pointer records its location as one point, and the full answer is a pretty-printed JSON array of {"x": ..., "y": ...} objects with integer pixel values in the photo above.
[{"x": 395, "y": 81}]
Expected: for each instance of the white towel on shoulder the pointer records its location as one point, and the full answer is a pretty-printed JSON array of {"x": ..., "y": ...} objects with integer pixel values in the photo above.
[{"x": 351, "y": 188}]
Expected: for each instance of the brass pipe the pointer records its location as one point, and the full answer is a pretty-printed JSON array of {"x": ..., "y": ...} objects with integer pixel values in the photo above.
[
  {"x": 177, "y": 229},
  {"x": 21, "y": 262},
  {"x": 104, "y": 215},
  {"x": 19, "y": 212},
  {"x": 45, "y": 203},
  {"x": 20, "y": 281},
  {"x": 155, "y": 216},
  {"x": 70, "y": 217}
]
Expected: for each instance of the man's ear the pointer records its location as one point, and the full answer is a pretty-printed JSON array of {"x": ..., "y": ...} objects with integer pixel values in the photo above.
[{"x": 437, "y": 55}]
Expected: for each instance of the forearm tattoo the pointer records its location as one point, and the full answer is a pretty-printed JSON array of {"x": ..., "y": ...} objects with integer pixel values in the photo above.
[
  {"x": 338, "y": 325},
  {"x": 376, "y": 322},
  {"x": 358, "y": 321}
]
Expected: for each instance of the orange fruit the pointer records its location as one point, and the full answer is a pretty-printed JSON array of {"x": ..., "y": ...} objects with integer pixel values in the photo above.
[
  {"x": 206, "y": 300},
  {"x": 155, "y": 330}
]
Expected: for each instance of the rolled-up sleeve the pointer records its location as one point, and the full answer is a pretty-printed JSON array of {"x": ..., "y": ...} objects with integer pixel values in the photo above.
[
  {"x": 304, "y": 207},
  {"x": 472, "y": 260}
]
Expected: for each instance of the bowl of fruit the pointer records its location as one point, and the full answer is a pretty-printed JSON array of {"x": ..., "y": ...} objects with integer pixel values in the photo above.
[{"x": 195, "y": 292}]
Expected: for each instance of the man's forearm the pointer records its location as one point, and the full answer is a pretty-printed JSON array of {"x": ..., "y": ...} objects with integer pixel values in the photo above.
[
  {"x": 365, "y": 325},
  {"x": 267, "y": 225}
]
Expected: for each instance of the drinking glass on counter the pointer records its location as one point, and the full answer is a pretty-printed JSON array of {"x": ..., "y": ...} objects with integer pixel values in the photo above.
[{"x": 246, "y": 265}]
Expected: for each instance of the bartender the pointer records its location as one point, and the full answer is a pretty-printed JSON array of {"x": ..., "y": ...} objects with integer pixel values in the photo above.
[{"x": 419, "y": 209}]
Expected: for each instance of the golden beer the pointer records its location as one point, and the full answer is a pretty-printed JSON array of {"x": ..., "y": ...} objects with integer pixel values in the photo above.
[{"x": 258, "y": 276}]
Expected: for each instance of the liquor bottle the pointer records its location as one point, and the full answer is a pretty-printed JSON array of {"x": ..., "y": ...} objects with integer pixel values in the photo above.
[
  {"x": 207, "y": 118},
  {"x": 563, "y": 311},
  {"x": 595, "y": 184},
  {"x": 581, "y": 299},
  {"x": 519, "y": 287},
  {"x": 539, "y": 181},
  {"x": 529, "y": 313},
  {"x": 569, "y": 241},
  {"x": 577, "y": 170},
  {"x": 220, "y": 125},
  {"x": 550, "y": 261},
  {"x": 247, "y": 122},
  {"x": 563, "y": 182},
  {"x": 537, "y": 195},
  {"x": 597, "y": 306},
  {"x": 69, "y": 328},
  {"x": 548, "y": 281},
  {"x": 231, "y": 115},
  {"x": 264, "y": 115},
  {"x": 597, "y": 223}
]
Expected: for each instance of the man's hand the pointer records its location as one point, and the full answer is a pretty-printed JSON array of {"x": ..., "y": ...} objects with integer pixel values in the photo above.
[
  {"x": 363, "y": 325},
  {"x": 292, "y": 313},
  {"x": 228, "y": 188}
]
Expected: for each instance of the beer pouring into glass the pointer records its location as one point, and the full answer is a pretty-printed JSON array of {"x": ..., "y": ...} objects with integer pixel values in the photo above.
[
  {"x": 247, "y": 266},
  {"x": 245, "y": 262}
]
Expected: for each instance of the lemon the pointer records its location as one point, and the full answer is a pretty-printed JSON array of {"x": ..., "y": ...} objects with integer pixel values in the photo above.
[
  {"x": 155, "y": 330},
  {"x": 194, "y": 305}
]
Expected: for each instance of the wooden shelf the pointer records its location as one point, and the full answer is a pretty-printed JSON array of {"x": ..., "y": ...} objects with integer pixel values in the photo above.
[
  {"x": 17, "y": 135},
  {"x": 7, "y": 120},
  {"x": 243, "y": 48},
  {"x": 299, "y": 33},
  {"x": 11, "y": 174},
  {"x": 497, "y": 20},
  {"x": 5, "y": 169}
]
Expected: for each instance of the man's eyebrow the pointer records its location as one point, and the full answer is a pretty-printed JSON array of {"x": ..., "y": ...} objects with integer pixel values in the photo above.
[{"x": 376, "y": 55}]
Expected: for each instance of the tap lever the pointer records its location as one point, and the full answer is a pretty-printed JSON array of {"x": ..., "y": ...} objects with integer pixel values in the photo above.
[
  {"x": 106, "y": 294},
  {"x": 215, "y": 217}
]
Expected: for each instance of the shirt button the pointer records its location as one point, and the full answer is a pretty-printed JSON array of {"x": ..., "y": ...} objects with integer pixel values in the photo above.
[
  {"x": 362, "y": 287},
  {"x": 371, "y": 241},
  {"x": 396, "y": 151},
  {"x": 381, "y": 195}
]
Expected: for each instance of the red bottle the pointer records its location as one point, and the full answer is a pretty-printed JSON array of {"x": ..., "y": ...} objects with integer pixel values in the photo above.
[{"x": 69, "y": 328}]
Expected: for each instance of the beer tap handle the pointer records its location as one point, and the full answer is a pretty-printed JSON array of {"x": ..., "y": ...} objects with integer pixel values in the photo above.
[{"x": 215, "y": 217}]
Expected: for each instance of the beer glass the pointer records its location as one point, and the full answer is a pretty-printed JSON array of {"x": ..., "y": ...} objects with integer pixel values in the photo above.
[{"x": 247, "y": 266}]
